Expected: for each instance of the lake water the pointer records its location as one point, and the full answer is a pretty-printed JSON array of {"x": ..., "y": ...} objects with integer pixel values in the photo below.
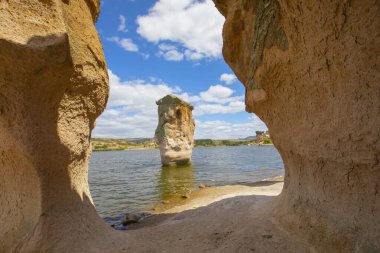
[{"x": 122, "y": 181}]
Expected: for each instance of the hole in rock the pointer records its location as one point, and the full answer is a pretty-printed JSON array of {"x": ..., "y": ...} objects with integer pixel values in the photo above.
[
  {"x": 179, "y": 114},
  {"x": 231, "y": 146}
]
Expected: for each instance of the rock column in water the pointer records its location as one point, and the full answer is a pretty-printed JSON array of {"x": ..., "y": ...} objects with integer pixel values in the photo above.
[{"x": 175, "y": 130}]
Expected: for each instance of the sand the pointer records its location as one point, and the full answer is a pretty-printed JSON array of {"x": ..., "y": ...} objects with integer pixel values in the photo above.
[
  {"x": 217, "y": 219},
  {"x": 208, "y": 195}
]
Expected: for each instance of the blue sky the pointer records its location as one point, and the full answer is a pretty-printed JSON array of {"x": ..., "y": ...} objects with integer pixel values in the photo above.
[{"x": 158, "y": 47}]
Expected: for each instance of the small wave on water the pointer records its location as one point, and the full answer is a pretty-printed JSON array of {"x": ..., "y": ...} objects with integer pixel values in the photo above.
[{"x": 123, "y": 182}]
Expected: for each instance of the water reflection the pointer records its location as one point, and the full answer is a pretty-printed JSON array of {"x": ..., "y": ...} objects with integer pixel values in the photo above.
[
  {"x": 134, "y": 180},
  {"x": 175, "y": 181}
]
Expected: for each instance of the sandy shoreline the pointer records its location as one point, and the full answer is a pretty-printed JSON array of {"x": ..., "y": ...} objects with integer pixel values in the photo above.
[
  {"x": 234, "y": 218},
  {"x": 208, "y": 195}
]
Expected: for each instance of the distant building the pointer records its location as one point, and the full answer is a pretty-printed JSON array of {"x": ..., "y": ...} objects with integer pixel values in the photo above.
[{"x": 261, "y": 136}]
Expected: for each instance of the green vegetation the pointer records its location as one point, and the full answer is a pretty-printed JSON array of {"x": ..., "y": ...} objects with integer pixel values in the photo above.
[
  {"x": 204, "y": 143},
  {"x": 105, "y": 144},
  {"x": 214, "y": 143},
  {"x": 267, "y": 141},
  {"x": 235, "y": 143}
]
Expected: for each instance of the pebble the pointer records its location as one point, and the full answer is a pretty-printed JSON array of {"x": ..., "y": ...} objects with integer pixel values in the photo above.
[
  {"x": 131, "y": 218},
  {"x": 122, "y": 228}
]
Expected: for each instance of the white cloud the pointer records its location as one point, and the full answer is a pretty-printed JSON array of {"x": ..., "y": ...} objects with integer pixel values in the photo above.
[
  {"x": 228, "y": 130},
  {"x": 191, "y": 99},
  {"x": 122, "y": 25},
  {"x": 219, "y": 94},
  {"x": 170, "y": 53},
  {"x": 216, "y": 92},
  {"x": 195, "y": 25},
  {"x": 166, "y": 47},
  {"x": 136, "y": 94},
  {"x": 228, "y": 78},
  {"x": 125, "y": 126},
  {"x": 193, "y": 55},
  {"x": 125, "y": 43},
  {"x": 232, "y": 107},
  {"x": 132, "y": 111}
]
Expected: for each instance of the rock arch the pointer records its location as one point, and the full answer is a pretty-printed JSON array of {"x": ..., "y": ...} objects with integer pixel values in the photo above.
[
  {"x": 311, "y": 75},
  {"x": 317, "y": 81},
  {"x": 53, "y": 84}
]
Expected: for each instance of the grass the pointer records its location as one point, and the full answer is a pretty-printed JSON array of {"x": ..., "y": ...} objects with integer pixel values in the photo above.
[
  {"x": 214, "y": 143},
  {"x": 267, "y": 141},
  {"x": 107, "y": 144}
]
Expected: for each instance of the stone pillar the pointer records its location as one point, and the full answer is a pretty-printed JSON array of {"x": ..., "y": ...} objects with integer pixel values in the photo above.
[{"x": 175, "y": 131}]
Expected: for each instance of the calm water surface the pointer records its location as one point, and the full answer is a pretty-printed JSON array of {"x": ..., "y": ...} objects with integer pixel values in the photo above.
[{"x": 128, "y": 180}]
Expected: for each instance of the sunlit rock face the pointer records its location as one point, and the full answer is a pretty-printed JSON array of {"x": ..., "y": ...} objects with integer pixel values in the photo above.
[
  {"x": 311, "y": 72},
  {"x": 175, "y": 131},
  {"x": 53, "y": 84}
]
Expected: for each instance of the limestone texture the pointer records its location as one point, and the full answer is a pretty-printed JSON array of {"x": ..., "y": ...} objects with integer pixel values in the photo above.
[
  {"x": 53, "y": 84},
  {"x": 175, "y": 131},
  {"x": 311, "y": 70},
  {"x": 261, "y": 136},
  {"x": 312, "y": 74}
]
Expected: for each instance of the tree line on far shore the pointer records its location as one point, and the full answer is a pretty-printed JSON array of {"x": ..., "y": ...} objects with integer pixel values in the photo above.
[{"x": 108, "y": 144}]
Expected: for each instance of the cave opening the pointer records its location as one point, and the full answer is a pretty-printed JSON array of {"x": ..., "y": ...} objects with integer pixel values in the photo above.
[
  {"x": 316, "y": 87},
  {"x": 232, "y": 147}
]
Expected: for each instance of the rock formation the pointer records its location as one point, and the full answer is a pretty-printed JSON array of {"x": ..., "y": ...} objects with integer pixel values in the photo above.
[
  {"x": 53, "y": 84},
  {"x": 261, "y": 136},
  {"x": 311, "y": 70},
  {"x": 175, "y": 130},
  {"x": 311, "y": 73}
]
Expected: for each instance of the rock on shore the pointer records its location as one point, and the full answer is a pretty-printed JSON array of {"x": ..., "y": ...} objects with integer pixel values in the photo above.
[{"x": 175, "y": 130}]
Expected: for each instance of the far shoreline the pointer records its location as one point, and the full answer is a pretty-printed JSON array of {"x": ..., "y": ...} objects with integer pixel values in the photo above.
[
  {"x": 109, "y": 144},
  {"x": 148, "y": 148}
]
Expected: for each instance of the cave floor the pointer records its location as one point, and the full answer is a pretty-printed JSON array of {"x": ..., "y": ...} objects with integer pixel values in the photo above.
[{"x": 237, "y": 224}]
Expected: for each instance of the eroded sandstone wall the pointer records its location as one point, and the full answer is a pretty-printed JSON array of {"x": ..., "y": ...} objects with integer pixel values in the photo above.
[
  {"x": 311, "y": 72},
  {"x": 53, "y": 84},
  {"x": 175, "y": 131}
]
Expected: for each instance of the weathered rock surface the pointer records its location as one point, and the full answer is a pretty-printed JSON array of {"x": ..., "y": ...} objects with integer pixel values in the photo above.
[
  {"x": 53, "y": 84},
  {"x": 261, "y": 136},
  {"x": 311, "y": 72},
  {"x": 175, "y": 130},
  {"x": 131, "y": 218}
]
